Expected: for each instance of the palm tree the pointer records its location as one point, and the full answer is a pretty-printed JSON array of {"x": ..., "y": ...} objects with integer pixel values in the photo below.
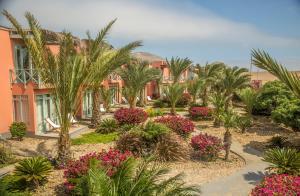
[
  {"x": 177, "y": 67},
  {"x": 248, "y": 97},
  {"x": 218, "y": 100},
  {"x": 101, "y": 55},
  {"x": 264, "y": 61},
  {"x": 134, "y": 179},
  {"x": 106, "y": 96},
  {"x": 173, "y": 94},
  {"x": 229, "y": 119},
  {"x": 136, "y": 75},
  {"x": 233, "y": 80},
  {"x": 209, "y": 74},
  {"x": 194, "y": 87}
]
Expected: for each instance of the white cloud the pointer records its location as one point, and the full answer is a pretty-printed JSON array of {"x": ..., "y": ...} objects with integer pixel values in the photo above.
[{"x": 146, "y": 21}]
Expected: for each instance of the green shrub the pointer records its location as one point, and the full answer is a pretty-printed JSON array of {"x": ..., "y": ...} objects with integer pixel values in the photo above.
[
  {"x": 126, "y": 127},
  {"x": 107, "y": 126},
  {"x": 278, "y": 142},
  {"x": 288, "y": 113},
  {"x": 11, "y": 186},
  {"x": 153, "y": 130},
  {"x": 161, "y": 103},
  {"x": 244, "y": 122},
  {"x": 270, "y": 96},
  {"x": 283, "y": 161},
  {"x": 5, "y": 155},
  {"x": 18, "y": 130},
  {"x": 32, "y": 170},
  {"x": 153, "y": 112}
]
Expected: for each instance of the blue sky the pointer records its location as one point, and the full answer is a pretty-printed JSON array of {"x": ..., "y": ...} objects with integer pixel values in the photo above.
[{"x": 203, "y": 30}]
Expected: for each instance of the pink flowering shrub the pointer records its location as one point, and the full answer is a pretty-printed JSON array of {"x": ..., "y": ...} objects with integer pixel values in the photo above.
[
  {"x": 180, "y": 125},
  {"x": 110, "y": 161},
  {"x": 130, "y": 116},
  {"x": 280, "y": 184},
  {"x": 206, "y": 146},
  {"x": 199, "y": 112}
]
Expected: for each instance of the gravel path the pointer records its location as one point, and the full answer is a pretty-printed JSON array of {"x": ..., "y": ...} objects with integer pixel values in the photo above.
[{"x": 241, "y": 182}]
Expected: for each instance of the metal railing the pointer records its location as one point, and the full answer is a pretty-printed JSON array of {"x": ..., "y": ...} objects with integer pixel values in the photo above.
[
  {"x": 114, "y": 76},
  {"x": 170, "y": 78},
  {"x": 24, "y": 76}
]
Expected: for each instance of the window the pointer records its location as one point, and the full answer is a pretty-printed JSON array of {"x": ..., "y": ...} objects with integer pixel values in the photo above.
[
  {"x": 21, "y": 109},
  {"x": 45, "y": 109}
]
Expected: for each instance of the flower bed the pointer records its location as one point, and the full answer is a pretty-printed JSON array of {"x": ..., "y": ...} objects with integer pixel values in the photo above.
[
  {"x": 180, "y": 125},
  {"x": 282, "y": 184},
  {"x": 201, "y": 112},
  {"x": 110, "y": 160},
  {"x": 206, "y": 147},
  {"x": 130, "y": 116}
]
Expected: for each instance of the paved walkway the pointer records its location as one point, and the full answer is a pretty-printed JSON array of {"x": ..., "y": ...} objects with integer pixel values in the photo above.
[{"x": 241, "y": 182}]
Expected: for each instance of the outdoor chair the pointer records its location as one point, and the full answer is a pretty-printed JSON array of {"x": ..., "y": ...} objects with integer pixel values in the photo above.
[
  {"x": 52, "y": 124},
  {"x": 124, "y": 100},
  {"x": 149, "y": 98},
  {"x": 102, "y": 109}
]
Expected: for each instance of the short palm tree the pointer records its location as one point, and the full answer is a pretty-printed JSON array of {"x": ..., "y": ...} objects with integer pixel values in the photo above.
[
  {"x": 134, "y": 179},
  {"x": 233, "y": 80},
  {"x": 173, "y": 94},
  {"x": 264, "y": 61},
  {"x": 208, "y": 74},
  {"x": 136, "y": 75},
  {"x": 194, "y": 87},
  {"x": 218, "y": 100},
  {"x": 229, "y": 119},
  {"x": 106, "y": 60},
  {"x": 248, "y": 97},
  {"x": 177, "y": 67}
]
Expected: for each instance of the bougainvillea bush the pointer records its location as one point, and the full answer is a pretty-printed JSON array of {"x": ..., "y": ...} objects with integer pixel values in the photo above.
[
  {"x": 200, "y": 112},
  {"x": 206, "y": 146},
  {"x": 109, "y": 160},
  {"x": 180, "y": 125},
  {"x": 281, "y": 185},
  {"x": 130, "y": 116}
]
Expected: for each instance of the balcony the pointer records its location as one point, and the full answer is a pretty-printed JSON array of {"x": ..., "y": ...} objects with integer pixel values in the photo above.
[
  {"x": 170, "y": 78},
  {"x": 24, "y": 76},
  {"x": 114, "y": 77}
]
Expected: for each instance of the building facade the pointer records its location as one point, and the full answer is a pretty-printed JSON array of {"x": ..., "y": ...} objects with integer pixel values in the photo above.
[{"x": 23, "y": 97}]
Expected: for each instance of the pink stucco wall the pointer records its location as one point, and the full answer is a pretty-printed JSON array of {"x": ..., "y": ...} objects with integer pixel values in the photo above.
[{"x": 6, "y": 63}]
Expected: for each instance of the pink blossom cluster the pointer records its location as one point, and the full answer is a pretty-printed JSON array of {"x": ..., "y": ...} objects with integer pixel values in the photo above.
[
  {"x": 130, "y": 116},
  {"x": 200, "y": 112},
  {"x": 180, "y": 125},
  {"x": 279, "y": 184},
  {"x": 110, "y": 161},
  {"x": 206, "y": 146}
]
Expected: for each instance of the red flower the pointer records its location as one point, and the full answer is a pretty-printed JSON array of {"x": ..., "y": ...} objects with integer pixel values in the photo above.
[
  {"x": 200, "y": 112},
  {"x": 130, "y": 116},
  {"x": 182, "y": 126}
]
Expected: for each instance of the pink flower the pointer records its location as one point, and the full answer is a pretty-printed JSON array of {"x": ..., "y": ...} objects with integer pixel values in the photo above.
[{"x": 130, "y": 116}]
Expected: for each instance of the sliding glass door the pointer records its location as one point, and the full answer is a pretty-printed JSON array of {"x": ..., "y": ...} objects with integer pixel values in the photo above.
[
  {"x": 45, "y": 109},
  {"x": 87, "y": 104}
]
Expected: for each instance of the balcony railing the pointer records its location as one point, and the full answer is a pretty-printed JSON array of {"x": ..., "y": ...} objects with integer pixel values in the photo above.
[
  {"x": 24, "y": 76},
  {"x": 170, "y": 78},
  {"x": 114, "y": 76}
]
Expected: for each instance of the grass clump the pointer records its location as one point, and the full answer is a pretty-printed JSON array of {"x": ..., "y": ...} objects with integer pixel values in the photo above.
[{"x": 94, "y": 138}]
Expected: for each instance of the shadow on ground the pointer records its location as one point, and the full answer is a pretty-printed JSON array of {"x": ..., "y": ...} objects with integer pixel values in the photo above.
[{"x": 254, "y": 177}]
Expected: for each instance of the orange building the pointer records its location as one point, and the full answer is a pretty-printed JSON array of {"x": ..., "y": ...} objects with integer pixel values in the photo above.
[{"x": 23, "y": 97}]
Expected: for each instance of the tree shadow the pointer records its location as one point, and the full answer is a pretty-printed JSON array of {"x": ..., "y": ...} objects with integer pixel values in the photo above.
[
  {"x": 254, "y": 177},
  {"x": 254, "y": 148}
]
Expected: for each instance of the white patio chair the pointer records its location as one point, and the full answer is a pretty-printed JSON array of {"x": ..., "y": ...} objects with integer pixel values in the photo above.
[
  {"x": 124, "y": 100},
  {"x": 137, "y": 98},
  {"x": 72, "y": 119},
  {"x": 102, "y": 109},
  {"x": 149, "y": 98},
  {"x": 52, "y": 124}
]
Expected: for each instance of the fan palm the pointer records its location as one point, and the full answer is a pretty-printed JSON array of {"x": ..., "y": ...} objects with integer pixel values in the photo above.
[
  {"x": 208, "y": 74},
  {"x": 177, "y": 67},
  {"x": 173, "y": 94},
  {"x": 248, "y": 97},
  {"x": 194, "y": 87},
  {"x": 229, "y": 119},
  {"x": 264, "y": 61},
  {"x": 106, "y": 60},
  {"x": 136, "y": 75},
  {"x": 134, "y": 179},
  {"x": 233, "y": 80}
]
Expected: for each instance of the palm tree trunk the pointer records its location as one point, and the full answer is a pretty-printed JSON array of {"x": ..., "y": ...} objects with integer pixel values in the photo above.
[
  {"x": 142, "y": 98},
  {"x": 204, "y": 97},
  {"x": 194, "y": 99},
  {"x": 96, "y": 114},
  {"x": 64, "y": 152},
  {"x": 227, "y": 143},
  {"x": 132, "y": 103},
  {"x": 217, "y": 122},
  {"x": 173, "y": 110}
]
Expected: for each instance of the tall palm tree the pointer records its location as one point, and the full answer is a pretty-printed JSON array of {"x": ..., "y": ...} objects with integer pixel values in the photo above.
[
  {"x": 101, "y": 55},
  {"x": 173, "y": 94},
  {"x": 233, "y": 80},
  {"x": 134, "y": 179},
  {"x": 194, "y": 87},
  {"x": 136, "y": 75},
  {"x": 264, "y": 61},
  {"x": 177, "y": 67},
  {"x": 64, "y": 73},
  {"x": 209, "y": 74}
]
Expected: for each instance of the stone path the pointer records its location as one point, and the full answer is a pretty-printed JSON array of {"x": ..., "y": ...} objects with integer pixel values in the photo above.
[{"x": 241, "y": 182}]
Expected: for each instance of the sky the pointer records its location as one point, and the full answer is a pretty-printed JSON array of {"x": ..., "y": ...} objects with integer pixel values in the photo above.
[{"x": 202, "y": 30}]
